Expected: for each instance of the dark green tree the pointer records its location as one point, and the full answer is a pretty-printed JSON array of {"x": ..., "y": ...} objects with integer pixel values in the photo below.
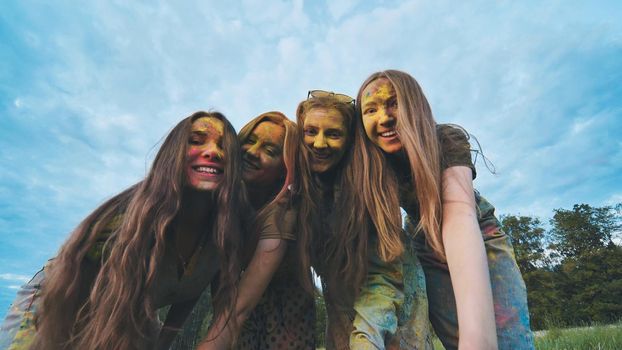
[
  {"x": 528, "y": 237},
  {"x": 584, "y": 229},
  {"x": 588, "y": 277}
]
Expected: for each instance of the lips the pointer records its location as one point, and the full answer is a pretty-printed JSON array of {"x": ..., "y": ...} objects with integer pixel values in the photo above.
[
  {"x": 389, "y": 133},
  {"x": 208, "y": 170},
  {"x": 250, "y": 165},
  {"x": 321, "y": 155}
]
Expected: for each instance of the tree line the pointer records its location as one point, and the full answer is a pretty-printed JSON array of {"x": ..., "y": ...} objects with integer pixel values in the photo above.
[{"x": 573, "y": 268}]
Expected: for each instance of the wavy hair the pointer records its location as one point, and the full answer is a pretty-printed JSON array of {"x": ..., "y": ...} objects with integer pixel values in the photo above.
[
  {"x": 416, "y": 129},
  {"x": 107, "y": 304},
  {"x": 334, "y": 245},
  {"x": 282, "y": 198}
]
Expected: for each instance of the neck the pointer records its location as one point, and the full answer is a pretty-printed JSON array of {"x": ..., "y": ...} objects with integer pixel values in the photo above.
[
  {"x": 399, "y": 162},
  {"x": 328, "y": 177},
  {"x": 194, "y": 214},
  {"x": 260, "y": 195}
]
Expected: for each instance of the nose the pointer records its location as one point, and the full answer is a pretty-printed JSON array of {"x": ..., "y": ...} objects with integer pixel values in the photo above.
[
  {"x": 320, "y": 141},
  {"x": 253, "y": 152},
  {"x": 212, "y": 152},
  {"x": 387, "y": 119}
]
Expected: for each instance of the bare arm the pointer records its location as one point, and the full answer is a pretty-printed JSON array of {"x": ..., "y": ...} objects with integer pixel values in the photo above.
[
  {"x": 466, "y": 258},
  {"x": 254, "y": 281},
  {"x": 174, "y": 321}
]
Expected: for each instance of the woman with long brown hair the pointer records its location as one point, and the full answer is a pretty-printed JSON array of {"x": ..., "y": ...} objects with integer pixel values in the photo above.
[
  {"x": 158, "y": 243},
  {"x": 476, "y": 294},
  {"x": 339, "y": 236},
  {"x": 274, "y": 309}
]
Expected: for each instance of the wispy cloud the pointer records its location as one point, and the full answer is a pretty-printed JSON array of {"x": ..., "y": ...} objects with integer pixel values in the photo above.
[
  {"x": 13, "y": 277},
  {"x": 88, "y": 91}
]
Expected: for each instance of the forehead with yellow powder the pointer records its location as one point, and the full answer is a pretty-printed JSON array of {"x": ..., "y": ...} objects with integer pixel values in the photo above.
[
  {"x": 269, "y": 130},
  {"x": 378, "y": 90},
  {"x": 209, "y": 126}
]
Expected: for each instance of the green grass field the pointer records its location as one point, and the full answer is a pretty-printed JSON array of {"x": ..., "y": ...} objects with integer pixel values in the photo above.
[
  {"x": 598, "y": 337},
  {"x": 588, "y": 338}
]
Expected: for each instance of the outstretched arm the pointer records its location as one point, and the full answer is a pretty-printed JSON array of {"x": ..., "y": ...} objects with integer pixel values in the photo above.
[
  {"x": 254, "y": 281},
  {"x": 175, "y": 318},
  {"x": 466, "y": 258}
]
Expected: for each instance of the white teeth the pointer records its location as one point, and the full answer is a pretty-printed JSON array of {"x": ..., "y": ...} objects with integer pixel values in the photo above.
[
  {"x": 388, "y": 133},
  {"x": 207, "y": 169}
]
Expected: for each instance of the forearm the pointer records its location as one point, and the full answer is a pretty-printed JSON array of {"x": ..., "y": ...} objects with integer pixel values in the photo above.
[
  {"x": 174, "y": 322},
  {"x": 470, "y": 278},
  {"x": 467, "y": 262},
  {"x": 254, "y": 281}
]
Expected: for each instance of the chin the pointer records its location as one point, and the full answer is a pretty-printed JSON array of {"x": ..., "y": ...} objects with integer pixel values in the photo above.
[
  {"x": 319, "y": 169},
  {"x": 206, "y": 187},
  {"x": 391, "y": 149}
]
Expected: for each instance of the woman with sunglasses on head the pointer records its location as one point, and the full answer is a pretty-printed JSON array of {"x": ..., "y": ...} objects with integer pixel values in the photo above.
[
  {"x": 477, "y": 297},
  {"x": 158, "y": 243},
  {"x": 274, "y": 309},
  {"x": 340, "y": 236}
]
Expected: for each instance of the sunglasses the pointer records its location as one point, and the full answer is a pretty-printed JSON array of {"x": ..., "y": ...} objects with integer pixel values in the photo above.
[{"x": 339, "y": 97}]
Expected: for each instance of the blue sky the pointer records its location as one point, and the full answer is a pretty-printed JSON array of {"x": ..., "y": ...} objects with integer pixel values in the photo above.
[{"x": 87, "y": 90}]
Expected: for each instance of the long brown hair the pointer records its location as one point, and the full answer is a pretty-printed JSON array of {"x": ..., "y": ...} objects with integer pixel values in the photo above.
[
  {"x": 335, "y": 245},
  {"x": 416, "y": 128},
  {"x": 85, "y": 306}
]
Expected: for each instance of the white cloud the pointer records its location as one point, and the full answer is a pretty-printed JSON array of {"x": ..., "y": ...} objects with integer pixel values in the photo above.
[
  {"x": 14, "y": 277},
  {"x": 614, "y": 199}
]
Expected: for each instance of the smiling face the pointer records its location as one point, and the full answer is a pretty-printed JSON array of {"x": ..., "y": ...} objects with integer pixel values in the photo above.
[
  {"x": 204, "y": 157},
  {"x": 262, "y": 153},
  {"x": 380, "y": 113},
  {"x": 325, "y": 137}
]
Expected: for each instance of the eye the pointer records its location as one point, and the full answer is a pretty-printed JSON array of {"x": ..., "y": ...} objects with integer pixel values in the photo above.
[
  {"x": 333, "y": 134},
  {"x": 272, "y": 152},
  {"x": 310, "y": 132},
  {"x": 393, "y": 103},
  {"x": 195, "y": 140},
  {"x": 250, "y": 141},
  {"x": 370, "y": 110}
]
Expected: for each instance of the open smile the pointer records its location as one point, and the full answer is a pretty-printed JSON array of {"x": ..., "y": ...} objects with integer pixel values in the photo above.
[
  {"x": 322, "y": 155},
  {"x": 388, "y": 134},
  {"x": 250, "y": 165},
  {"x": 207, "y": 170}
]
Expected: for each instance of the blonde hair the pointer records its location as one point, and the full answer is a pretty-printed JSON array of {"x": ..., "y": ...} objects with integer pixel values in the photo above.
[
  {"x": 336, "y": 246},
  {"x": 290, "y": 148},
  {"x": 416, "y": 128}
]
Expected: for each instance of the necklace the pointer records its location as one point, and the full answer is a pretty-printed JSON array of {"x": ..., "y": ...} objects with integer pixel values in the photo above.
[{"x": 186, "y": 266}]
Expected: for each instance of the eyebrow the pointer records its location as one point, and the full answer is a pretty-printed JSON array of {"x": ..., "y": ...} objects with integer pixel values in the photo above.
[{"x": 340, "y": 129}]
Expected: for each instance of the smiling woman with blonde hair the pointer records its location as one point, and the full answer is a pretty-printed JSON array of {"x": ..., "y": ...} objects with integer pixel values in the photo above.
[{"x": 476, "y": 293}]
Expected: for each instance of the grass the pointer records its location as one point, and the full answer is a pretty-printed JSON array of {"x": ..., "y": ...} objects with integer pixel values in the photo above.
[
  {"x": 608, "y": 337},
  {"x": 596, "y": 337}
]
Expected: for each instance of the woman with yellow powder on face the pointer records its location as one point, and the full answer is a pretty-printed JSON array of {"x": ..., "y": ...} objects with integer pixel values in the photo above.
[
  {"x": 274, "y": 309},
  {"x": 476, "y": 294},
  {"x": 158, "y": 243},
  {"x": 342, "y": 241}
]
